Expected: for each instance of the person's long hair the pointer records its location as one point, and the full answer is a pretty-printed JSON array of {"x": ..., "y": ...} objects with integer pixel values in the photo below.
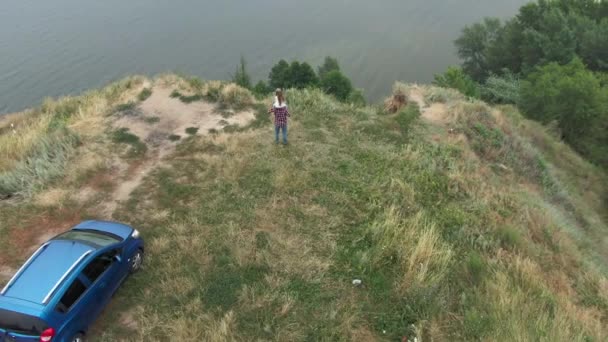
[{"x": 280, "y": 98}]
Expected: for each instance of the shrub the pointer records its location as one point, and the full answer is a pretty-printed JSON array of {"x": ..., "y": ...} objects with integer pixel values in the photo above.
[
  {"x": 241, "y": 76},
  {"x": 335, "y": 83},
  {"x": 456, "y": 78},
  {"x": 571, "y": 95},
  {"x": 236, "y": 97},
  {"x": 191, "y": 130},
  {"x": 357, "y": 98},
  {"x": 175, "y": 94},
  {"x": 145, "y": 94},
  {"x": 501, "y": 89},
  {"x": 213, "y": 91},
  {"x": 174, "y": 137}
]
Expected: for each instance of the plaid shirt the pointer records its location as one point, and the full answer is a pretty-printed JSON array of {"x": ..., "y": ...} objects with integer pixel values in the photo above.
[{"x": 280, "y": 116}]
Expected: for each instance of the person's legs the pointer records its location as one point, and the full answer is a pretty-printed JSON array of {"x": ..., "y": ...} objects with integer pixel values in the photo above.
[
  {"x": 285, "y": 134},
  {"x": 276, "y": 134}
]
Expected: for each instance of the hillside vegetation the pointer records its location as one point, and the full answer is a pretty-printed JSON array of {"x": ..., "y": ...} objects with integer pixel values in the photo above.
[
  {"x": 462, "y": 221},
  {"x": 551, "y": 59}
]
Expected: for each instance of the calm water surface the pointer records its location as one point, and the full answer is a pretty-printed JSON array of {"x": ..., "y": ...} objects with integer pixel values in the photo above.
[{"x": 60, "y": 47}]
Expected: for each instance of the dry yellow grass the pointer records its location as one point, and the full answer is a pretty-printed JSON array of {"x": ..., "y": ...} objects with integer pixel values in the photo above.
[
  {"x": 27, "y": 130},
  {"x": 423, "y": 256}
]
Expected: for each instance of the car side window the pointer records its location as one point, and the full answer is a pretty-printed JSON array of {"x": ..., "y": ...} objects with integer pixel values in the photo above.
[
  {"x": 96, "y": 267},
  {"x": 70, "y": 297}
]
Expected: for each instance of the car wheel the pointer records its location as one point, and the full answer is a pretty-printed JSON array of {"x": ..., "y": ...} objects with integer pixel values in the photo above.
[
  {"x": 137, "y": 260},
  {"x": 78, "y": 338}
]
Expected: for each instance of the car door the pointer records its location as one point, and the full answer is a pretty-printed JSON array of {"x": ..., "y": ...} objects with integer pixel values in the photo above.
[
  {"x": 103, "y": 274},
  {"x": 68, "y": 309},
  {"x": 87, "y": 295}
]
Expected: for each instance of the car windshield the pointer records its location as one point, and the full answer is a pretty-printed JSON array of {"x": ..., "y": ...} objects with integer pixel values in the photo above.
[
  {"x": 21, "y": 323},
  {"x": 98, "y": 238}
]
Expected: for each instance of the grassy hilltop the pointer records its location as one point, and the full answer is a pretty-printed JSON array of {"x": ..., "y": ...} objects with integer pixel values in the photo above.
[{"x": 462, "y": 221}]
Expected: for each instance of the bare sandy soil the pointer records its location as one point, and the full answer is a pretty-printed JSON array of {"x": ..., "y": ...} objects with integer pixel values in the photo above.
[{"x": 156, "y": 119}]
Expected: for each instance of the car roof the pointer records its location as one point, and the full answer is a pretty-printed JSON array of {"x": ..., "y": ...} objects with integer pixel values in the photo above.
[{"x": 49, "y": 266}]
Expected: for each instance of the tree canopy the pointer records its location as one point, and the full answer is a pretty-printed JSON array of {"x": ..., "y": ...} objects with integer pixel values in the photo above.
[{"x": 551, "y": 59}]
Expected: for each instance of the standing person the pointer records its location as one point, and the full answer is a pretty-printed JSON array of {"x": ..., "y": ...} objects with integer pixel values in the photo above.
[{"x": 279, "y": 108}]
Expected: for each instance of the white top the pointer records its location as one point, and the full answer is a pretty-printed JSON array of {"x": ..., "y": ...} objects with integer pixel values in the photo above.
[{"x": 276, "y": 103}]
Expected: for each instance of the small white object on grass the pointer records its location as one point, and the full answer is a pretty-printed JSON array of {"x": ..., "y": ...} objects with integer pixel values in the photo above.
[{"x": 357, "y": 282}]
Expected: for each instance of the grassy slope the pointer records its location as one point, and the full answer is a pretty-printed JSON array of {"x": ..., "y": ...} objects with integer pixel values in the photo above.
[{"x": 252, "y": 241}]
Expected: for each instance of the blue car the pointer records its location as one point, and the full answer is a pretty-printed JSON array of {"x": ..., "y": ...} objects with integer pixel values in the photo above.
[{"x": 59, "y": 292}]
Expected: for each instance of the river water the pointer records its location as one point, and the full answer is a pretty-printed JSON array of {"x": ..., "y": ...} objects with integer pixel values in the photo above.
[{"x": 60, "y": 47}]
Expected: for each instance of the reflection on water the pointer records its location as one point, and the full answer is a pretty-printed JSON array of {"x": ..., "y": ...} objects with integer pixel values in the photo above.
[{"x": 57, "y": 47}]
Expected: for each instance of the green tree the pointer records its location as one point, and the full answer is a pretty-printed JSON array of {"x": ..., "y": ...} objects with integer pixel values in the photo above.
[
  {"x": 594, "y": 46},
  {"x": 473, "y": 46},
  {"x": 261, "y": 88},
  {"x": 330, "y": 64},
  {"x": 335, "y": 83},
  {"x": 279, "y": 76},
  {"x": 572, "y": 96},
  {"x": 241, "y": 76},
  {"x": 553, "y": 41},
  {"x": 456, "y": 78},
  {"x": 503, "y": 52},
  {"x": 302, "y": 75}
]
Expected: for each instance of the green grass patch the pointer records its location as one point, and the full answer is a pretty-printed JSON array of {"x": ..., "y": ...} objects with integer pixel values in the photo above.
[
  {"x": 126, "y": 107},
  {"x": 137, "y": 147},
  {"x": 509, "y": 237},
  {"x": 186, "y": 98},
  {"x": 191, "y": 98},
  {"x": 191, "y": 130},
  {"x": 144, "y": 94},
  {"x": 151, "y": 119}
]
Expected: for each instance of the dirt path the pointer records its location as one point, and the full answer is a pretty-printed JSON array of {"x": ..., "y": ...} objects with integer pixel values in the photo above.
[
  {"x": 154, "y": 121},
  {"x": 435, "y": 113}
]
